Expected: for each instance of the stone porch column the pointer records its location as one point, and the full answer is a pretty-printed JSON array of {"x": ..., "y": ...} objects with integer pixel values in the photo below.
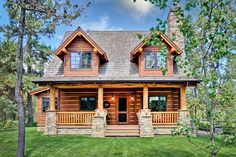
[
  {"x": 99, "y": 120},
  {"x": 145, "y": 117},
  {"x": 51, "y": 115},
  {"x": 183, "y": 112}
]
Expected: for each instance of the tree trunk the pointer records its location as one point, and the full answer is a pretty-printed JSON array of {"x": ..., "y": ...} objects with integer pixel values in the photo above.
[
  {"x": 30, "y": 110},
  {"x": 29, "y": 97},
  {"x": 18, "y": 89}
]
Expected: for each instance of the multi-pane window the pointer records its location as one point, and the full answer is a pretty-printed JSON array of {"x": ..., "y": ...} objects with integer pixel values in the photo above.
[
  {"x": 88, "y": 103},
  {"x": 154, "y": 60},
  {"x": 81, "y": 60},
  {"x": 46, "y": 103},
  {"x": 157, "y": 103}
]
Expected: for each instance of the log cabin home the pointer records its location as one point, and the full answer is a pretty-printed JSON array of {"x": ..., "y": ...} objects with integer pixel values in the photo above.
[{"x": 109, "y": 83}]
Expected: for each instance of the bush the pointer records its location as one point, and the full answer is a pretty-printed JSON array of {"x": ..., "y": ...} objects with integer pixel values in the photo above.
[{"x": 10, "y": 124}]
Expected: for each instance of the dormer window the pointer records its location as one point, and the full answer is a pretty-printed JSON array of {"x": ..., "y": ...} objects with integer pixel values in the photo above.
[
  {"x": 154, "y": 60},
  {"x": 81, "y": 60}
]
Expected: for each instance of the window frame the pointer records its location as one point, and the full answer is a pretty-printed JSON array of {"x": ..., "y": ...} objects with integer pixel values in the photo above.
[
  {"x": 88, "y": 98},
  {"x": 158, "y": 97},
  {"x": 156, "y": 60},
  {"x": 81, "y": 60},
  {"x": 46, "y": 97}
]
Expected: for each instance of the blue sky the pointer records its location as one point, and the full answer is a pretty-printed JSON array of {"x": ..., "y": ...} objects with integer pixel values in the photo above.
[{"x": 106, "y": 15}]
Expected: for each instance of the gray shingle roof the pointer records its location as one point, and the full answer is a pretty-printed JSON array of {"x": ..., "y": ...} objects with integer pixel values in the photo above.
[{"x": 117, "y": 45}]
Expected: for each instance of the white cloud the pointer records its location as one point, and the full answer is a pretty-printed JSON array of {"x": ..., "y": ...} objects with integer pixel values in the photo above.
[
  {"x": 102, "y": 24},
  {"x": 138, "y": 9}
]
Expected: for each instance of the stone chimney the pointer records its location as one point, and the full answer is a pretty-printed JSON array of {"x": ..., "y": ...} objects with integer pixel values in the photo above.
[
  {"x": 173, "y": 29},
  {"x": 177, "y": 37}
]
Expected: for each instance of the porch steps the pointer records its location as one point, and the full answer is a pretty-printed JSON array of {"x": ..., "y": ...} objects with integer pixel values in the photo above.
[{"x": 122, "y": 131}]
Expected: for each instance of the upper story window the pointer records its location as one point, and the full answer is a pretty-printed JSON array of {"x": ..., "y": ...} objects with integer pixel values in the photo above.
[
  {"x": 81, "y": 60},
  {"x": 154, "y": 60}
]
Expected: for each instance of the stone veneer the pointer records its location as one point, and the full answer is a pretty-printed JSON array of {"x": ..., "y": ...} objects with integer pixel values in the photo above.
[
  {"x": 51, "y": 123},
  {"x": 184, "y": 116},
  {"x": 99, "y": 123},
  {"x": 145, "y": 123}
]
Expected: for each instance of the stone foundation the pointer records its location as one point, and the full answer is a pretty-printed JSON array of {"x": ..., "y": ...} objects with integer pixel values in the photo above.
[
  {"x": 99, "y": 123},
  {"x": 145, "y": 123},
  {"x": 51, "y": 123},
  {"x": 72, "y": 131},
  {"x": 159, "y": 130},
  {"x": 40, "y": 128}
]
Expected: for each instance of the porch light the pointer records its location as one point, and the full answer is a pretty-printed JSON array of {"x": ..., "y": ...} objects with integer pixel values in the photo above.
[
  {"x": 112, "y": 97},
  {"x": 132, "y": 98}
]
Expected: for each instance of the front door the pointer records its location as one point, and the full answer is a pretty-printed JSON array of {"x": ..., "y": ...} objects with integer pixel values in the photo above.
[{"x": 122, "y": 111}]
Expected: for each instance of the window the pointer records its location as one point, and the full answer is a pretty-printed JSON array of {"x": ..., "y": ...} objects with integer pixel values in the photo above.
[
  {"x": 81, "y": 60},
  {"x": 157, "y": 103},
  {"x": 46, "y": 103},
  {"x": 154, "y": 60},
  {"x": 88, "y": 103}
]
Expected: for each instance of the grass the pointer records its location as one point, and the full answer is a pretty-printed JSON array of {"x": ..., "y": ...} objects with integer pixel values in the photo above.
[{"x": 39, "y": 145}]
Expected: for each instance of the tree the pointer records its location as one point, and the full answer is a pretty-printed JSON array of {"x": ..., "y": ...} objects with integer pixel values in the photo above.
[
  {"x": 209, "y": 39},
  {"x": 53, "y": 13}
]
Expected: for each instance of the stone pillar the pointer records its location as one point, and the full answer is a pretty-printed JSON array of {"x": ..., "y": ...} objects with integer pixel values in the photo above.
[
  {"x": 145, "y": 123},
  {"x": 183, "y": 112},
  {"x": 51, "y": 123},
  {"x": 99, "y": 123},
  {"x": 51, "y": 115},
  {"x": 184, "y": 116}
]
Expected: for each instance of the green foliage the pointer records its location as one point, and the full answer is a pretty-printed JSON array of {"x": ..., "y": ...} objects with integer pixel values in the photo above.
[
  {"x": 10, "y": 124},
  {"x": 209, "y": 30},
  {"x": 7, "y": 108}
]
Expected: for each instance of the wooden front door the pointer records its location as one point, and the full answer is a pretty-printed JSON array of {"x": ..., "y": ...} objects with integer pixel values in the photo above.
[{"x": 122, "y": 117}]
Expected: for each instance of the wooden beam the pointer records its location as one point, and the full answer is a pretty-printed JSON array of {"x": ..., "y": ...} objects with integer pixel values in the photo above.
[
  {"x": 119, "y": 85},
  {"x": 183, "y": 105},
  {"x": 65, "y": 50},
  {"x": 172, "y": 49},
  {"x": 145, "y": 97},
  {"x": 95, "y": 50},
  {"x": 100, "y": 98},
  {"x": 52, "y": 98}
]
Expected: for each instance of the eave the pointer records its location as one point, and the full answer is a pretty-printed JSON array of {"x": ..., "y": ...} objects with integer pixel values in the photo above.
[
  {"x": 139, "y": 48},
  {"x": 62, "y": 49}
]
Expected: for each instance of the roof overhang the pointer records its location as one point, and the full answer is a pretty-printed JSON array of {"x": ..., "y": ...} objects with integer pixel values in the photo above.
[
  {"x": 62, "y": 49},
  {"x": 139, "y": 48},
  {"x": 39, "y": 90}
]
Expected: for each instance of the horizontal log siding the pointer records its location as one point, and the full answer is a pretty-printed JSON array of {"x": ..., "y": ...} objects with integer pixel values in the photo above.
[
  {"x": 70, "y": 98},
  {"x": 80, "y": 44},
  {"x": 154, "y": 72},
  {"x": 41, "y": 116}
]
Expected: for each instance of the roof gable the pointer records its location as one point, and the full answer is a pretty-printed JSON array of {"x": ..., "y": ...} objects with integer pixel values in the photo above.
[
  {"x": 174, "y": 48},
  {"x": 79, "y": 32}
]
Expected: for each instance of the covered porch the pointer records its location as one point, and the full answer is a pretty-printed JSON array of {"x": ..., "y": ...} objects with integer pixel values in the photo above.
[{"x": 117, "y": 104}]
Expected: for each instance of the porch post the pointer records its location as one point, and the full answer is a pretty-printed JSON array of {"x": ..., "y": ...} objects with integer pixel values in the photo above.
[
  {"x": 145, "y": 97},
  {"x": 51, "y": 115},
  {"x": 183, "y": 112},
  {"x": 183, "y": 105},
  {"x": 52, "y": 99},
  {"x": 100, "y": 98},
  {"x": 145, "y": 117},
  {"x": 99, "y": 120}
]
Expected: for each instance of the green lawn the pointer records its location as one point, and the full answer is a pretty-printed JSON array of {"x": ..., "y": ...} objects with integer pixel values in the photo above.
[{"x": 39, "y": 145}]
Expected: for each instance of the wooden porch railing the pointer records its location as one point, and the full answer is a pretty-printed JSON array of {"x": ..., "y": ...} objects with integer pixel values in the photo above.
[
  {"x": 165, "y": 117},
  {"x": 82, "y": 118}
]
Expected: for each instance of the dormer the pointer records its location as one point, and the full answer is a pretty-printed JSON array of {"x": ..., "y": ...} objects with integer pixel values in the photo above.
[
  {"x": 149, "y": 58},
  {"x": 81, "y": 55}
]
